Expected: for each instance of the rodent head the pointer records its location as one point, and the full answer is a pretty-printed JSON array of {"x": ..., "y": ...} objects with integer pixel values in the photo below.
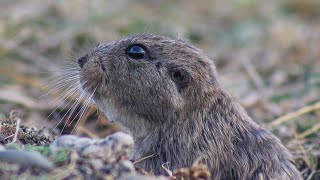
[{"x": 149, "y": 77}]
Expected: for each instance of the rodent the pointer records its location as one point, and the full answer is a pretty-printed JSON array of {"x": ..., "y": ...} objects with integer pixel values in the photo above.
[{"x": 167, "y": 94}]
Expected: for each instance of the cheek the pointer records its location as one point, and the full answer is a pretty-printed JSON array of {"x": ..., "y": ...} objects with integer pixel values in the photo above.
[
  {"x": 163, "y": 93},
  {"x": 116, "y": 69}
]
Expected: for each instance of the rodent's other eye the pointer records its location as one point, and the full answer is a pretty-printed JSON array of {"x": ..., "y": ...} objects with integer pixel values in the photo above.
[
  {"x": 137, "y": 52},
  {"x": 181, "y": 77}
]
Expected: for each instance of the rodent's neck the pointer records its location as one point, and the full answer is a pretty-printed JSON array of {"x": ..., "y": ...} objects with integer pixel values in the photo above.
[{"x": 216, "y": 127}]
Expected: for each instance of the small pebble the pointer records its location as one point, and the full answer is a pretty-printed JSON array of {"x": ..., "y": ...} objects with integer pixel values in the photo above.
[
  {"x": 126, "y": 166},
  {"x": 97, "y": 164},
  {"x": 86, "y": 170},
  {"x": 66, "y": 141}
]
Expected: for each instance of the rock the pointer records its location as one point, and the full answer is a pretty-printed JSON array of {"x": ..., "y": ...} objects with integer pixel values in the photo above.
[
  {"x": 102, "y": 157},
  {"x": 71, "y": 141},
  {"x": 111, "y": 148},
  {"x": 26, "y": 159}
]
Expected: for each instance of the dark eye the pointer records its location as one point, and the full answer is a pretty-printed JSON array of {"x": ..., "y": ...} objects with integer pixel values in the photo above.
[
  {"x": 137, "y": 52},
  {"x": 181, "y": 77}
]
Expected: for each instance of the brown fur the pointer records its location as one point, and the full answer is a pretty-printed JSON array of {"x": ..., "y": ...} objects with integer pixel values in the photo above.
[{"x": 177, "y": 124}]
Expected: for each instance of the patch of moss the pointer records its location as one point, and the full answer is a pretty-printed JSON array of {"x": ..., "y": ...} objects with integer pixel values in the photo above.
[
  {"x": 61, "y": 156},
  {"x": 280, "y": 97}
]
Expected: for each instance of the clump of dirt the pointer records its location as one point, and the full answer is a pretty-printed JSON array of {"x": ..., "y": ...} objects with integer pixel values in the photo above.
[{"x": 11, "y": 130}]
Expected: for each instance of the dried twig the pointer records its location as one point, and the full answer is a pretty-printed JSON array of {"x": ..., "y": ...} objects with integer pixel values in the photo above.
[
  {"x": 310, "y": 131},
  {"x": 10, "y": 136},
  {"x": 311, "y": 175},
  {"x": 295, "y": 114},
  {"x": 17, "y": 131},
  {"x": 144, "y": 158},
  {"x": 167, "y": 169}
]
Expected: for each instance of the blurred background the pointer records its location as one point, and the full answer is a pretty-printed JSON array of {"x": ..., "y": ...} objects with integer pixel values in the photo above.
[{"x": 267, "y": 54}]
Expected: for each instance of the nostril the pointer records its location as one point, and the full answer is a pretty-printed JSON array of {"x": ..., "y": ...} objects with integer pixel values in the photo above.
[{"x": 82, "y": 61}]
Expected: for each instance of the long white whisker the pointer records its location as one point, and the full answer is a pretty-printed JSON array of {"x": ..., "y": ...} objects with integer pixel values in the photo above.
[
  {"x": 57, "y": 89},
  {"x": 68, "y": 73},
  {"x": 81, "y": 97},
  {"x": 64, "y": 78},
  {"x": 85, "y": 103},
  {"x": 60, "y": 84},
  {"x": 84, "y": 110},
  {"x": 64, "y": 71},
  {"x": 72, "y": 88},
  {"x": 73, "y": 107},
  {"x": 99, "y": 115},
  {"x": 88, "y": 101},
  {"x": 63, "y": 102},
  {"x": 64, "y": 81}
]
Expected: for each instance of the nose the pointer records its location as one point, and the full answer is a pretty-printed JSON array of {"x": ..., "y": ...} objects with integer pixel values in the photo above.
[{"x": 82, "y": 61}]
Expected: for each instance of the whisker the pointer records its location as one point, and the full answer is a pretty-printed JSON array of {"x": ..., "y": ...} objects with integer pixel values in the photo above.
[
  {"x": 64, "y": 78},
  {"x": 83, "y": 111},
  {"x": 76, "y": 53},
  {"x": 64, "y": 81},
  {"x": 67, "y": 104},
  {"x": 73, "y": 107},
  {"x": 81, "y": 97},
  {"x": 89, "y": 99},
  {"x": 69, "y": 91},
  {"x": 57, "y": 89},
  {"x": 72, "y": 68},
  {"x": 61, "y": 81},
  {"x": 84, "y": 105},
  {"x": 99, "y": 116},
  {"x": 67, "y": 67}
]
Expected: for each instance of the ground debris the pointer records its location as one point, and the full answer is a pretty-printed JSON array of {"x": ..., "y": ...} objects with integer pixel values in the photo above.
[
  {"x": 68, "y": 157},
  {"x": 25, "y": 135},
  {"x": 197, "y": 171}
]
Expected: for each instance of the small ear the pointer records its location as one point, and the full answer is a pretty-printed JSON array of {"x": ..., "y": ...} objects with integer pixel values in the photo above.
[
  {"x": 210, "y": 68},
  {"x": 213, "y": 74},
  {"x": 181, "y": 77}
]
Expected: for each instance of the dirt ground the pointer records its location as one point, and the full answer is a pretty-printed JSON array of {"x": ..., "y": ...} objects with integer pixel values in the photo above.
[{"x": 266, "y": 52}]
